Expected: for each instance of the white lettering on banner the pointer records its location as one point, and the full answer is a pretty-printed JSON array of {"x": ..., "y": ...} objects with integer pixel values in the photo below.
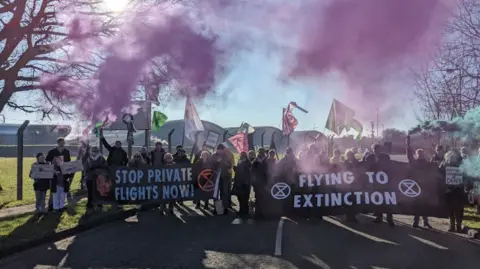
[
  {"x": 130, "y": 176},
  {"x": 174, "y": 192},
  {"x": 340, "y": 199},
  {"x": 453, "y": 176},
  {"x": 136, "y": 193},
  {"x": 161, "y": 175},
  {"x": 381, "y": 177},
  {"x": 314, "y": 180}
]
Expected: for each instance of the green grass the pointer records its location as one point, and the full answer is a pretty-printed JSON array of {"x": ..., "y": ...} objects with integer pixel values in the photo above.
[
  {"x": 8, "y": 181},
  {"x": 28, "y": 227},
  {"x": 471, "y": 218}
]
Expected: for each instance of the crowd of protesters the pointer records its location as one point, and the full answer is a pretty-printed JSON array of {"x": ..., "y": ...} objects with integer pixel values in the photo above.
[{"x": 254, "y": 170}]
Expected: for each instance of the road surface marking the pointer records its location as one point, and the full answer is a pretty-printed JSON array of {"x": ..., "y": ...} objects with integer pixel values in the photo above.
[
  {"x": 278, "y": 240},
  {"x": 237, "y": 221}
]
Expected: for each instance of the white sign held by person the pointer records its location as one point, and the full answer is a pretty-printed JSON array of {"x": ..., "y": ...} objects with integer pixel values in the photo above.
[
  {"x": 453, "y": 176},
  {"x": 71, "y": 167},
  {"x": 42, "y": 171},
  {"x": 212, "y": 139}
]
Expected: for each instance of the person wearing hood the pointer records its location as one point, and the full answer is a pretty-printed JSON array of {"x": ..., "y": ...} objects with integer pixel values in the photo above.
[
  {"x": 117, "y": 156},
  {"x": 417, "y": 162},
  {"x": 242, "y": 183},
  {"x": 455, "y": 193},
  {"x": 146, "y": 155},
  {"x": 157, "y": 154},
  {"x": 180, "y": 157},
  {"x": 93, "y": 166}
]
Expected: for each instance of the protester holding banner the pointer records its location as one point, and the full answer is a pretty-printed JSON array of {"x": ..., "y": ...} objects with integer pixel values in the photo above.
[
  {"x": 271, "y": 163},
  {"x": 242, "y": 183},
  {"x": 455, "y": 192},
  {"x": 202, "y": 164},
  {"x": 223, "y": 164},
  {"x": 57, "y": 156},
  {"x": 168, "y": 159},
  {"x": 381, "y": 163},
  {"x": 260, "y": 180},
  {"x": 40, "y": 185},
  {"x": 145, "y": 155},
  {"x": 180, "y": 157},
  {"x": 417, "y": 162},
  {"x": 157, "y": 154},
  {"x": 117, "y": 156},
  {"x": 350, "y": 164},
  {"x": 94, "y": 166}
]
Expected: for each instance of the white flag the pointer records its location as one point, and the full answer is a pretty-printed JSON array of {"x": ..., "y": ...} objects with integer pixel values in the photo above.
[{"x": 193, "y": 123}]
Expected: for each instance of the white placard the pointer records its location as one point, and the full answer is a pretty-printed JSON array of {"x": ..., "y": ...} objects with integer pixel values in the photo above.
[
  {"x": 453, "y": 176},
  {"x": 212, "y": 139},
  {"x": 71, "y": 167},
  {"x": 42, "y": 171}
]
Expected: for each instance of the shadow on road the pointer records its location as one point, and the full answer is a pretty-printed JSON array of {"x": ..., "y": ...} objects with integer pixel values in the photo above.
[{"x": 335, "y": 244}]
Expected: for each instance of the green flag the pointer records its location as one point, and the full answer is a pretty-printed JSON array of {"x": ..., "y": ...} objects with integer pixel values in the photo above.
[
  {"x": 158, "y": 120},
  {"x": 96, "y": 129},
  {"x": 246, "y": 128},
  {"x": 339, "y": 117},
  {"x": 357, "y": 126}
]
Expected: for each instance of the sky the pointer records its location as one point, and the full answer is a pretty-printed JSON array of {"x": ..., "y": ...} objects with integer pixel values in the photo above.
[{"x": 252, "y": 93}]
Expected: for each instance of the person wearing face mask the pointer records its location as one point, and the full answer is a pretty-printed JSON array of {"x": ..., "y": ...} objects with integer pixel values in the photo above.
[
  {"x": 381, "y": 162},
  {"x": 202, "y": 164},
  {"x": 57, "y": 156},
  {"x": 93, "y": 166},
  {"x": 260, "y": 180},
  {"x": 242, "y": 183},
  {"x": 417, "y": 162},
  {"x": 117, "y": 156}
]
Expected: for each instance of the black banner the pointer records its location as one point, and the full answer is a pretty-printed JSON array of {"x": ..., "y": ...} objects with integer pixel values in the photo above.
[
  {"x": 147, "y": 184},
  {"x": 396, "y": 189}
]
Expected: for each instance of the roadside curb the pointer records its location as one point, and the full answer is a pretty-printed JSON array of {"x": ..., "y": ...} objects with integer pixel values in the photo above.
[{"x": 68, "y": 232}]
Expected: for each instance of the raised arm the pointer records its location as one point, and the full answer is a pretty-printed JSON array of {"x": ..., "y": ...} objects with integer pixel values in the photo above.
[{"x": 105, "y": 144}]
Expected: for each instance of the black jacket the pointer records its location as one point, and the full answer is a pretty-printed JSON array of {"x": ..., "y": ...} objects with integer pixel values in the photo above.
[
  {"x": 92, "y": 166},
  {"x": 181, "y": 159},
  {"x": 116, "y": 156},
  {"x": 152, "y": 156}
]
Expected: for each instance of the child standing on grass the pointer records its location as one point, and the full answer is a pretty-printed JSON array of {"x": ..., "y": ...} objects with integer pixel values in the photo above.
[{"x": 40, "y": 185}]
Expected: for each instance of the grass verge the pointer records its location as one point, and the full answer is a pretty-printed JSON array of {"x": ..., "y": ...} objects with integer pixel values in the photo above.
[
  {"x": 8, "y": 181},
  {"x": 20, "y": 230}
]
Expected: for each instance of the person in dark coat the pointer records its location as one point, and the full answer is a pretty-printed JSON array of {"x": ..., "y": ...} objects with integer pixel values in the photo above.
[
  {"x": 438, "y": 156},
  {"x": 242, "y": 183},
  {"x": 117, "y": 156},
  {"x": 350, "y": 164},
  {"x": 382, "y": 162},
  {"x": 181, "y": 157},
  {"x": 57, "y": 156},
  {"x": 157, "y": 154},
  {"x": 40, "y": 186},
  {"x": 271, "y": 163},
  {"x": 455, "y": 193},
  {"x": 202, "y": 164},
  {"x": 95, "y": 164},
  {"x": 260, "y": 181},
  {"x": 222, "y": 161},
  {"x": 169, "y": 161},
  {"x": 417, "y": 162}
]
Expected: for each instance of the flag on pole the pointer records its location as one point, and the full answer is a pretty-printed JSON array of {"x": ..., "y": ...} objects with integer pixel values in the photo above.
[
  {"x": 158, "y": 120},
  {"x": 246, "y": 128},
  {"x": 193, "y": 123},
  {"x": 240, "y": 142},
  {"x": 289, "y": 122},
  {"x": 357, "y": 126},
  {"x": 339, "y": 118}
]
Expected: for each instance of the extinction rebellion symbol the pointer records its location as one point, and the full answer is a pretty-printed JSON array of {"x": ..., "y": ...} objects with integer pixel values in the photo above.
[
  {"x": 280, "y": 191},
  {"x": 409, "y": 188}
]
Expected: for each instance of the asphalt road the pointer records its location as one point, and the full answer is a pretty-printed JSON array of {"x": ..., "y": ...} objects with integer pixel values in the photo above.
[{"x": 193, "y": 240}]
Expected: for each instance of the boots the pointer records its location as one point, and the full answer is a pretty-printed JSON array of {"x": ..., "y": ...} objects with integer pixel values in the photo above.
[{"x": 452, "y": 225}]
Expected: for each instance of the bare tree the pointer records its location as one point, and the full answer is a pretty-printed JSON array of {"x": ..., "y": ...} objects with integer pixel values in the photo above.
[{"x": 449, "y": 87}]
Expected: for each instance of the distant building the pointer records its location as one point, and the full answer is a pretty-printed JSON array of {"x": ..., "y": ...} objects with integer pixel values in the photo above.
[{"x": 34, "y": 134}]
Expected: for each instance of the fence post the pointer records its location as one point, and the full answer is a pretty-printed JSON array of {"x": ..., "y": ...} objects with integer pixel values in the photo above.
[
  {"x": 169, "y": 140},
  {"x": 262, "y": 139},
  {"x": 20, "y": 132}
]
